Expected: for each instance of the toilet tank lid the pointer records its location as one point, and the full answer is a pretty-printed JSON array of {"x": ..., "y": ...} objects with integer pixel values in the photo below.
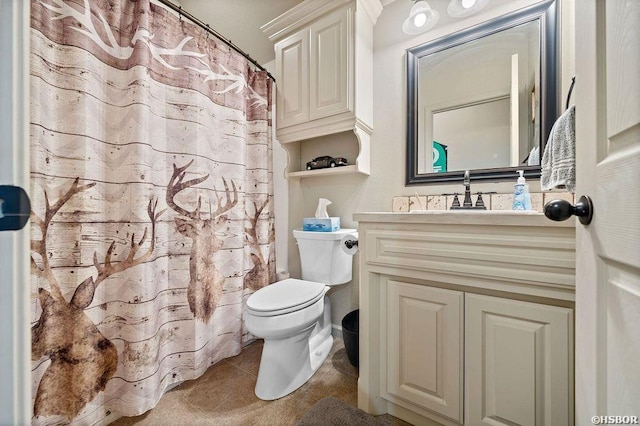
[
  {"x": 284, "y": 294},
  {"x": 333, "y": 235}
]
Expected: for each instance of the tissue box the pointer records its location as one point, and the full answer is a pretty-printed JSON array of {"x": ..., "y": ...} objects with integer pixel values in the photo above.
[{"x": 327, "y": 224}]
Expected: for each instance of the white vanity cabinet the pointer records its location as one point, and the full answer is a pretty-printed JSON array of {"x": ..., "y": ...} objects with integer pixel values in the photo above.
[
  {"x": 424, "y": 347},
  {"x": 466, "y": 318},
  {"x": 324, "y": 78},
  {"x": 518, "y": 359}
]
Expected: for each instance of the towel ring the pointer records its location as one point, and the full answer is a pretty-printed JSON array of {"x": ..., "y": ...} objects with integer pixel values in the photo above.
[{"x": 573, "y": 82}]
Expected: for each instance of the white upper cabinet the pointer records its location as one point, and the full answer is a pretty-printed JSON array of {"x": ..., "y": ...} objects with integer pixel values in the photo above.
[
  {"x": 312, "y": 71},
  {"x": 330, "y": 66},
  {"x": 293, "y": 103},
  {"x": 324, "y": 64},
  {"x": 324, "y": 76}
]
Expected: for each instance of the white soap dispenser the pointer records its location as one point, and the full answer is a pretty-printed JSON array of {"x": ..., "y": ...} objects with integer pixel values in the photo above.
[{"x": 521, "y": 195}]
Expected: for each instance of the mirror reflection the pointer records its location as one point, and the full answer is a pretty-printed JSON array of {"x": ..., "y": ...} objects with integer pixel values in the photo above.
[
  {"x": 478, "y": 100},
  {"x": 482, "y": 100}
]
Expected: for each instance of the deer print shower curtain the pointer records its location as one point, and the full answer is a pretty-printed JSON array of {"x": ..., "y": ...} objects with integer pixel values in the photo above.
[{"x": 152, "y": 198}]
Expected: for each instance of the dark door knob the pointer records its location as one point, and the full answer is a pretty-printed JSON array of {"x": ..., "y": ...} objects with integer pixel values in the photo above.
[
  {"x": 15, "y": 208},
  {"x": 563, "y": 210}
]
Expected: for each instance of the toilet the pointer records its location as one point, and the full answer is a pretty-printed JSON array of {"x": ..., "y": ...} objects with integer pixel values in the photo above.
[{"x": 294, "y": 316}]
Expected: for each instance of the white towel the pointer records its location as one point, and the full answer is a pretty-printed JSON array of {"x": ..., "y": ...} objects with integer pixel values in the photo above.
[
  {"x": 559, "y": 158},
  {"x": 534, "y": 157}
]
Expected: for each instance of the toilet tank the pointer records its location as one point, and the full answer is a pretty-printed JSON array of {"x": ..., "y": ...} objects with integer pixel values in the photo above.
[{"x": 321, "y": 257}]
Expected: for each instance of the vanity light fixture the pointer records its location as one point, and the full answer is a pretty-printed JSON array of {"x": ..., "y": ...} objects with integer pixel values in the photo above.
[
  {"x": 463, "y": 8},
  {"x": 421, "y": 18}
]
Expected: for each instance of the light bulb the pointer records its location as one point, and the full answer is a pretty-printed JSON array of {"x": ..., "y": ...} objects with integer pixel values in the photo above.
[
  {"x": 419, "y": 20},
  {"x": 468, "y": 3}
]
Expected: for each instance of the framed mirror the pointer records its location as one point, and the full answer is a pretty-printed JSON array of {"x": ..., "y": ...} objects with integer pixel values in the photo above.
[{"x": 483, "y": 99}]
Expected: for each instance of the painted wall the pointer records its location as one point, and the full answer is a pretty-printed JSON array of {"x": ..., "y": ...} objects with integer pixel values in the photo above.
[{"x": 359, "y": 193}]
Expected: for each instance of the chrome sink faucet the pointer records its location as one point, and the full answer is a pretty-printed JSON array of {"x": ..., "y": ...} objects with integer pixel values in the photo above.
[
  {"x": 467, "y": 190},
  {"x": 467, "y": 203}
]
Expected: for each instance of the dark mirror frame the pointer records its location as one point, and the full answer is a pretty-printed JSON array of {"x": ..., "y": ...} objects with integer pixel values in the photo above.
[{"x": 546, "y": 12}]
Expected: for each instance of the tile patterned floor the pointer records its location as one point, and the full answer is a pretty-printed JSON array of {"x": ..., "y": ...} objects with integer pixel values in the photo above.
[{"x": 224, "y": 395}]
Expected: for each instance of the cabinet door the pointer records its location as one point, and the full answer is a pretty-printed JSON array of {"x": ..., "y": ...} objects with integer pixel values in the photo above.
[
  {"x": 424, "y": 347},
  {"x": 292, "y": 70},
  {"x": 518, "y": 363},
  {"x": 329, "y": 73}
]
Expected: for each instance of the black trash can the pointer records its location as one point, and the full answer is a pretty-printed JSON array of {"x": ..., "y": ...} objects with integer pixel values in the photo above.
[{"x": 350, "y": 328}]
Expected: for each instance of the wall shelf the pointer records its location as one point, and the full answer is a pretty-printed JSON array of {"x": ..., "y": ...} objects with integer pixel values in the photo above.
[
  {"x": 324, "y": 172},
  {"x": 353, "y": 145}
]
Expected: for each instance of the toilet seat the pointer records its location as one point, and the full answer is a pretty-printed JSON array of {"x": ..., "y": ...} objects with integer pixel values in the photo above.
[{"x": 285, "y": 296}]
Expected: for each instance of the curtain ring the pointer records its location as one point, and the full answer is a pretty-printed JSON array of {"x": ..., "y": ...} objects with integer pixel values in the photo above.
[{"x": 180, "y": 13}]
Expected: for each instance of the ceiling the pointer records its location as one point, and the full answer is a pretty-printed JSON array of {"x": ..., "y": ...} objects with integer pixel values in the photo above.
[
  {"x": 389, "y": 26},
  {"x": 240, "y": 20}
]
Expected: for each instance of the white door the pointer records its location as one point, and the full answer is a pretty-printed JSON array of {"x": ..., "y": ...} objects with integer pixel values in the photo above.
[
  {"x": 15, "y": 349},
  {"x": 608, "y": 170}
]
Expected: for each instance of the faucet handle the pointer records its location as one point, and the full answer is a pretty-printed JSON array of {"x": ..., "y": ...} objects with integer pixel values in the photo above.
[
  {"x": 480, "y": 201},
  {"x": 456, "y": 201}
]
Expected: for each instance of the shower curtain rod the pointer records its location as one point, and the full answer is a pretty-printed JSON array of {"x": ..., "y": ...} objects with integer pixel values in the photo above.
[{"x": 206, "y": 27}]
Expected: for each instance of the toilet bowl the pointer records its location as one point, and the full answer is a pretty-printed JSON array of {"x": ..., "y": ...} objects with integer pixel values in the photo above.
[
  {"x": 289, "y": 356},
  {"x": 293, "y": 316}
]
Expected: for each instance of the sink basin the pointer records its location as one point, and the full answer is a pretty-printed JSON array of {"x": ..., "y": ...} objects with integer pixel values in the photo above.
[{"x": 472, "y": 211}]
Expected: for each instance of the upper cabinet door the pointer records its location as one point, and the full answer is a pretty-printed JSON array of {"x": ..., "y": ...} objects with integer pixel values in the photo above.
[
  {"x": 330, "y": 69},
  {"x": 292, "y": 65}
]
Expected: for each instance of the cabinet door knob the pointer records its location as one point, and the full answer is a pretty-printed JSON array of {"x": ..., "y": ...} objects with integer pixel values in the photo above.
[{"x": 562, "y": 210}]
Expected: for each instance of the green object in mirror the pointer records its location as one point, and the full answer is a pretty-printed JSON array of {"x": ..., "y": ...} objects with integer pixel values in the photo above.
[{"x": 439, "y": 157}]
